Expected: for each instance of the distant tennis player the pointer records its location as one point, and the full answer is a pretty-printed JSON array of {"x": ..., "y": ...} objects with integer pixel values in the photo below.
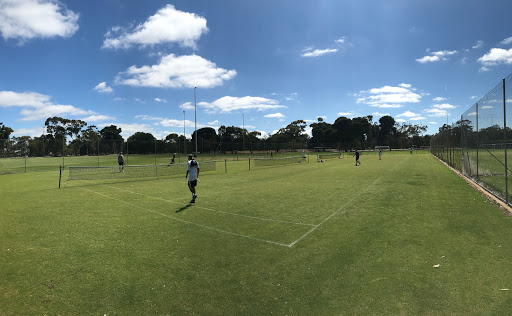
[
  {"x": 357, "y": 157},
  {"x": 380, "y": 154},
  {"x": 120, "y": 161},
  {"x": 193, "y": 171},
  {"x": 173, "y": 158},
  {"x": 410, "y": 150}
]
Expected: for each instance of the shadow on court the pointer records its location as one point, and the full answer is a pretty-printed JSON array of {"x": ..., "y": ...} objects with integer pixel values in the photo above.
[{"x": 181, "y": 209}]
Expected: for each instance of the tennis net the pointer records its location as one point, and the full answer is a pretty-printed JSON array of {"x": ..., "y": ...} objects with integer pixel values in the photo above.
[
  {"x": 330, "y": 155},
  {"x": 142, "y": 171},
  {"x": 271, "y": 162}
]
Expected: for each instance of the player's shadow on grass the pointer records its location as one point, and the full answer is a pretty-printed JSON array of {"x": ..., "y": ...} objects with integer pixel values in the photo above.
[{"x": 181, "y": 209}]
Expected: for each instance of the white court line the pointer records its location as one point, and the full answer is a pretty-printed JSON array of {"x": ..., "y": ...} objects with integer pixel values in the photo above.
[
  {"x": 188, "y": 222},
  {"x": 340, "y": 209},
  {"x": 212, "y": 210}
]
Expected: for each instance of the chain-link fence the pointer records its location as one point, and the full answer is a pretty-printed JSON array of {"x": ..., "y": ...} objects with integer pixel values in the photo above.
[{"x": 478, "y": 144}]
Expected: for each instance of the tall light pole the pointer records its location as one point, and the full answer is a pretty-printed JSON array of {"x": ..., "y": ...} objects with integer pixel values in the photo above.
[
  {"x": 195, "y": 116},
  {"x": 184, "y": 136},
  {"x": 243, "y": 129}
]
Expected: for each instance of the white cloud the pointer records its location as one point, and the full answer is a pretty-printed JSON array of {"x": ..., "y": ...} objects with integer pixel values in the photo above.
[
  {"x": 28, "y": 19},
  {"x": 187, "y": 106},
  {"x": 485, "y": 107},
  {"x": 176, "y": 72},
  {"x": 168, "y": 25},
  {"x": 275, "y": 115},
  {"x": 97, "y": 118},
  {"x": 473, "y": 97},
  {"x": 160, "y": 100},
  {"x": 228, "y": 104},
  {"x": 103, "y": 88},
  {"x": 436, "y": 112},
  {"x": 436, "y": 56},
  {"x": 149, "y": 118},
  {"x": 506, "y": 41},
  {"x": 444, "y": 106},
  {"x": 495, "y": 57},
  {"x": 317, "y": 52},
  {"x": 377, "y": 114},
  {"x": 408, "y": 114},
  {"x": 417, "y": 118},
  {"x": 341, "y": 40},
  {"x": 400, "y": 121},
  {"x": 179, "y": 123},
  {"x": 37, "y": 106},
  {"x": 344, "y": 113},
  {"x": 389, "y": 96},
  {"x": 439, "y": 99},
  {"x": 213, "y": 122},
  {"x": 32, "y": 132},
  {"x": 433, "y": 123},
  {"x": 119, "y": 99},
  {"x": 478, "y": 44}
]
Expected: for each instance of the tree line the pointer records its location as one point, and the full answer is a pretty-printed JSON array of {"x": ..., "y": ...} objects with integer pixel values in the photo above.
[{"x": 75, "y": 137}]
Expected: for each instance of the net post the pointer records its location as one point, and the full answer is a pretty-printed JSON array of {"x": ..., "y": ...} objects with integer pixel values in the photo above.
[
  {"x": 249, "y": 163},
  {"x": 226, "y": 165},
  {"x": 60, "y": 174},
  {"x": 505, "y": 135}
]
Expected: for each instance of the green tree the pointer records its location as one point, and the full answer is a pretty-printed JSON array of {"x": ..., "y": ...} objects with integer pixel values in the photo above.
[
  {"x": 142, "y": 143},
  {"x": 111, "y": 140},
  {"x": 5, "y": 131}
]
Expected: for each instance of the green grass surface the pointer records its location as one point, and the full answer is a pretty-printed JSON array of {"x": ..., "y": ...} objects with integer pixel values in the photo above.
[{"x": 306, "y": 239}]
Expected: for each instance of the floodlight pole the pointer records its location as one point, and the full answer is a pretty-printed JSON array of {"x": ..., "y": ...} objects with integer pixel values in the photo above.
[
  {"x": 184, "y": 136},
  {"x": 195, "y": 116}
]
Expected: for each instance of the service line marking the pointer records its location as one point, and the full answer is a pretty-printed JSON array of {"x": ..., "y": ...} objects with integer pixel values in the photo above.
[
  {"x": 189, "y": 222},
  {"x": 213, "y": 210},
  {"x": 340, "y": 209}
]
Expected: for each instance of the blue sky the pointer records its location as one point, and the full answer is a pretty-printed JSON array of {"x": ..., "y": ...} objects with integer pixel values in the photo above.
[{"x": 261, "y": 64}]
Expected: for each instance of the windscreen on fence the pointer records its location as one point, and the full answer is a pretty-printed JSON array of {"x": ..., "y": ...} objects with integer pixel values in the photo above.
[{"x": 485, "y": 137}]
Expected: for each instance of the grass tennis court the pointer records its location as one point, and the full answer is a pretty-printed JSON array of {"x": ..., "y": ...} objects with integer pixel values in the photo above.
[{"x": 304, "y": 239}]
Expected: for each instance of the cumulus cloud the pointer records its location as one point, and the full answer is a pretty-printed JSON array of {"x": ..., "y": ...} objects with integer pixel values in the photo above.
[
  {"x": 439, "y": 99},
  {"x": 35, "y": 106},
  {"x": 389, "y": 96},
  {"x": 345, "y": 113},
  {"x": 29, "y": 19},
  {"x": 97, "y": 118},
  {"x": 478, "y": 44},
  {"x": 275, "y": 115},
  {"x": 103, "y": 88},
  {"x": 228, "y": 104},
  {"x": 187, "y": 106},
  {"x": 494, "y": 57},
  {"x": 311, "y": 52},
  {"x": 160, "y": 100},
  {"x": 213, "y": 122},
  {"x": 436, "y": 56},
  {"x": 436, "y": 112},
  {"x": 506, "y": 41},
  {"x": 176, "y": 72},
  {"x": 444, "y": 106},
  {"x": 168, "y": 25}
]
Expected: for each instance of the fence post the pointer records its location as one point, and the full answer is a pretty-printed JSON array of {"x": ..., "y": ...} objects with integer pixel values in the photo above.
[
  {"x": 477, "y": 143},
  {"x": 505, "y": 129},
  {"x": 226, "y": 165}
]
